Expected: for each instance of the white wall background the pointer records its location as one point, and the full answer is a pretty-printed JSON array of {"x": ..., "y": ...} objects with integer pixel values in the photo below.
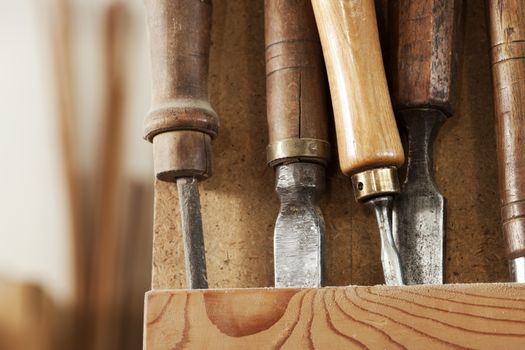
[{"x": 34, "y": 226}]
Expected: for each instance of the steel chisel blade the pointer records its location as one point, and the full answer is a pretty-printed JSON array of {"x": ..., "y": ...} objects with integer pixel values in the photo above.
[
  {"x": 299, "y": 229},
  {"x": 419, "y": 216},
  {"x": 419, "y": 228}
]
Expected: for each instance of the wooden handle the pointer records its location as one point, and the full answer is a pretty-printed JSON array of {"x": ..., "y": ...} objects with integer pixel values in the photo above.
[
  {"x": 424, "y": 37},
  {"x": 367, "y": 135},
  {"x": 295, "y": 84},
  {"x": 507, "y": 34},
  {"x": 181, "y": 121}
]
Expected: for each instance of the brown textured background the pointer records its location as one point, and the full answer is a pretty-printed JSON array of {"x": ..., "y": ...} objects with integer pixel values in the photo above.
[{"x": 239, "y": 205}]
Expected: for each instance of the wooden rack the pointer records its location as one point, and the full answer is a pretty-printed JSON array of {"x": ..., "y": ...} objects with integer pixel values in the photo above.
[
  {"x": 473, "y": 316},
  {"x": 239, "y": 208}
]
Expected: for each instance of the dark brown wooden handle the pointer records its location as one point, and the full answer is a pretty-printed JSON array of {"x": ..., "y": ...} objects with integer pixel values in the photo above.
[
  {"x": 181, "y": 121},
  {"x": 423, "y": 56},
  {"x": 507, "y": 35},
  {"x": 296, "y": 86}
]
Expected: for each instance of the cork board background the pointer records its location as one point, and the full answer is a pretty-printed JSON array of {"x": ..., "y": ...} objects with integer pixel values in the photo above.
[{"x": 239, "y": 205}]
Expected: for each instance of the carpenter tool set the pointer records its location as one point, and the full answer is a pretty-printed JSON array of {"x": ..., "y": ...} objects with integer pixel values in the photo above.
[
  {"x": 320, "y": 49},
  {"x": 181, "y": 122}
]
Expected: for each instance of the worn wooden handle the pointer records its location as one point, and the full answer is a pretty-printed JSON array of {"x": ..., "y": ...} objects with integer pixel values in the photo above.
[
  {"x": 295, "y": 84},
  {"x": 367, "y": 135},
  {"x": 507, "y": 35},
  {"x": 181, "y": 121},
  {"x": 423, "y": 56}
]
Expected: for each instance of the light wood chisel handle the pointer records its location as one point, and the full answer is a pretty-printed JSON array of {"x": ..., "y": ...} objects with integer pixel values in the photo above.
[
  {"x": 507, "y": 35},
  {"x": 295, "y": 84},
  {"x": 368, "y": 141},
  {"x": 367, "y": 134},
  {"x": 181, "y": 121}
]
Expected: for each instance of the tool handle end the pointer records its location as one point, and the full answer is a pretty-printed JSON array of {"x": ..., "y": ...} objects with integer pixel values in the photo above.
[
  {"x": 424, "y": 58},
  {"x": 181, "y": 122},
  {"x": 297, "y": 102}
]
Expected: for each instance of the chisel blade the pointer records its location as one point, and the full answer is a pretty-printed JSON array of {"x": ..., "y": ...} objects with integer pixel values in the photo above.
[
  {"x": 192, "y": 236},
  {"x": 517, "y": 269},
  {"x": 419, "y": 216},
  {"x": 299, "y": 229},
  {"x": 389, "y": 254}
]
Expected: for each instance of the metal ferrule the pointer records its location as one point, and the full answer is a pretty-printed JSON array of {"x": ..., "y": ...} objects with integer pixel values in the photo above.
[
  {"x": 297, "y": 150},
  {"x": 517, "y": 269},
  {"x": 375, "y": 182}
]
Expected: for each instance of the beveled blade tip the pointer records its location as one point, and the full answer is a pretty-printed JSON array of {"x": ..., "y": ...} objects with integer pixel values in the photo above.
[
  {"x": 517, "y": 269},
  {"x": 299, "y": 229},
  {"x": 392, "y": 270},
  {"x": 419, "y": 230}
]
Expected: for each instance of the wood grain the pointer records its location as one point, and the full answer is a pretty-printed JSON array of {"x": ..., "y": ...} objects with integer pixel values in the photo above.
[
  {"x": 477, "y": 316},
  {"x": 367, "y": 135},
  {"x": 507, "y": 34}
]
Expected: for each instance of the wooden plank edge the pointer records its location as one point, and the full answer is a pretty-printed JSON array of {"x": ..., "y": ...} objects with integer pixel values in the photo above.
[{"x": 474, "y": 316}]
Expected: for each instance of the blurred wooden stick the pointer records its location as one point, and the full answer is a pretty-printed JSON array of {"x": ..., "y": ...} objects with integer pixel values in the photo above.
[
  {"x": 60, "y": 32},
  {"x": 108, "y": 180}
]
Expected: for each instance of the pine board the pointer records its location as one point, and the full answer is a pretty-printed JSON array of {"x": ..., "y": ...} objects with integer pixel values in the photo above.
[{"x": 464, "y": 316}]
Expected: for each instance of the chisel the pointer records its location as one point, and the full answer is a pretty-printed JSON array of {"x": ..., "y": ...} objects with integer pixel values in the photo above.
[
  {"x": 423, "y": 65},
  {"x": 507, "y": 36},
  {"x": 181, "y": 122},
  {"x": 368, "y": 141},
  {"x": 298, "y": 139}
]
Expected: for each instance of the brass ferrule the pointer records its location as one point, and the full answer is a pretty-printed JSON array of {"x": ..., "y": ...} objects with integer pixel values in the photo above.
[
  {"x": 297, "y": 150},
  {"x": 374, "y": 183}
]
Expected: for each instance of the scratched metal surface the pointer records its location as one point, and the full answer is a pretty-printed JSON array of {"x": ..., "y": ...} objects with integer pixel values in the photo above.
[
  {"x": 390, "y": 258},
  {"x": 192, "y": 235},
  {"x": 420, "y": 209},
  {"x": 299, "y": 229}
]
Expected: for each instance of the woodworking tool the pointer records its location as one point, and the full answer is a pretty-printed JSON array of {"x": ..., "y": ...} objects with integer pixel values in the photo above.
[
  {"x": 368, "y": 141},
  {"x": 423, "y": 65},
  {"x": 298, "y": 135},
  {"x": 181, "y": 122},
  {"x": 507, "y": 36}
]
